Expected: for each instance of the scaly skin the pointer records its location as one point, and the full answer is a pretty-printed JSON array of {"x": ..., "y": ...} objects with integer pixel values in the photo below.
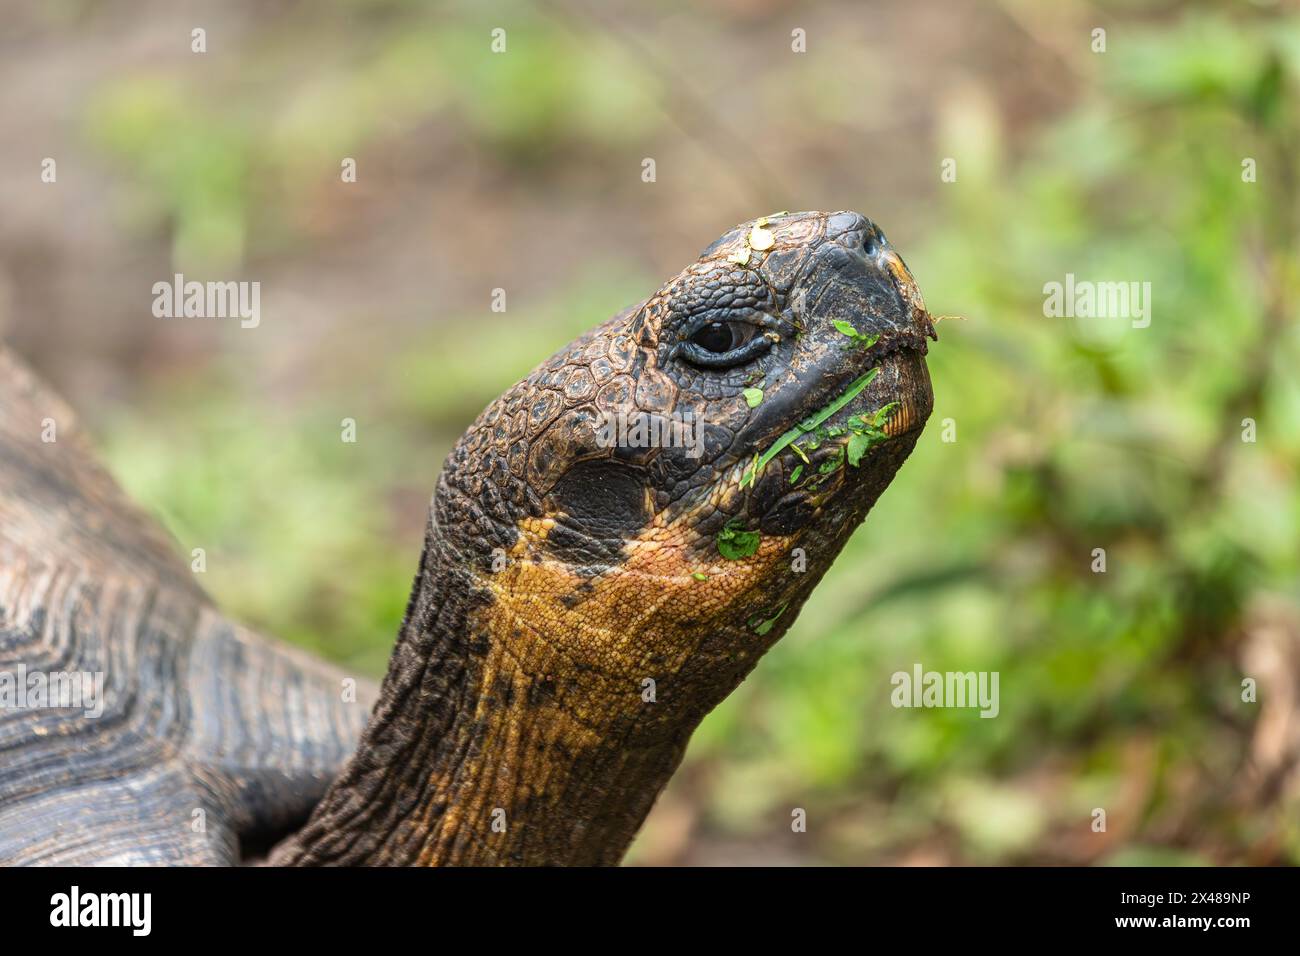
[{"x": 559, "y": 576}]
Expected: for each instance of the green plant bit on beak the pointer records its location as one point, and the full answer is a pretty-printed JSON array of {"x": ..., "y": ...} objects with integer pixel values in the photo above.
[
  {"x": 856, "y": 338},
  {"x": 807, "y": 425},
  {"x": 867, "y": 435}
]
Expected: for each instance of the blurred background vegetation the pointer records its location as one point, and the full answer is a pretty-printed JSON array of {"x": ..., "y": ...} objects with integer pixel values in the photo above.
[{"x": 522, "y": 171}]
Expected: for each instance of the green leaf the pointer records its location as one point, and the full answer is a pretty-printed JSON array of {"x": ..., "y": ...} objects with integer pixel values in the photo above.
[
  {"x": 808, "y": 424},
  {"x": 832, "y": 463},
  {"x": 859, "y": 340},
  {"x": 700, "y": 576},
  {"x": 763, "y": 626},
  {"x": 859, "y": 445},
  {"x": 734, "y": 543},
  {"x": 883, "y": 413},
  {"x": 798, "y": 470},
  {"x": 753, "y": 396},
  {"x": 863, "y": 442}
]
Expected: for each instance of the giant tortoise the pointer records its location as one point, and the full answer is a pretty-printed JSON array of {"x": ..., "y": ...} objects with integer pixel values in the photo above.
[{"x": 610, "y": 548}]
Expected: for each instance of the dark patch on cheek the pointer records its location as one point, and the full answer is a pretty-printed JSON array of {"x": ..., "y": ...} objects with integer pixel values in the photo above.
[
  {"x": 598, "y": 505},
  {"x": 787, "y": 517},
  {"x": 768, "y": 490}
]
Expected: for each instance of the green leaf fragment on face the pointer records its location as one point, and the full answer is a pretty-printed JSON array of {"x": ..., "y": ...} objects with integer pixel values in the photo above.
[
  {"x": 858, "y": 339},
  {"x": 858, "y": 446},
  {"x": 798, "y": 470},
  {"x": 882, "y": 415},
  {"x": 808, "y": 424},
  {"x": 867, "y": 435},
  {"x": 853, "y": 391},
  {"x": 735, "y": 543},
  {"x": 761, "y": 626},
  {"x": 700, "y": 576},
  {"x": 753, "y": 396},
  {"x": 833, "y": 463}
]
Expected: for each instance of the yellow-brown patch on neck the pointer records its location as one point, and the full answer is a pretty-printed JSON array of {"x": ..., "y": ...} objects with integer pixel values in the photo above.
[
  {"x": 649, "y": 612},
  {"x": 563, "y": 746}
]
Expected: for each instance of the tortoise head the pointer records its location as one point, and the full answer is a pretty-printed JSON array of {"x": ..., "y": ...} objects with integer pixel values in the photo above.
[{"x": 662, "y": 494}]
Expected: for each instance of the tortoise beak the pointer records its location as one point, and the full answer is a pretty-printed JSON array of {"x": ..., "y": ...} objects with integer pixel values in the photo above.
[{"x": 891, "y": 262}]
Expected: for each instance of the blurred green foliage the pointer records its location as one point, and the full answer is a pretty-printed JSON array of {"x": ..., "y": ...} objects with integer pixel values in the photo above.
[{"x": 1119, "y": 690}]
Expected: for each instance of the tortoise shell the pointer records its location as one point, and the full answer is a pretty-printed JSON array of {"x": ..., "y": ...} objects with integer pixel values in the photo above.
[{"x": 137, "y": 724}]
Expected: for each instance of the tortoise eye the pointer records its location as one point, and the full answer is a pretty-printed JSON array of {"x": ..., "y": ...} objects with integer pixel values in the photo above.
[
  {"x": 717, "y": 337},
  {"x": 724, "y": 344}
]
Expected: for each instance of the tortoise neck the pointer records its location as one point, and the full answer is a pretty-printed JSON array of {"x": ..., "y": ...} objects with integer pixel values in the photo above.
[{"x": 488, "y": 747}]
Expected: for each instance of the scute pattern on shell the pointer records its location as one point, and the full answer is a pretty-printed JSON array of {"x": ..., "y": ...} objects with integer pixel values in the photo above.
[{"x": 198, "y": 714}]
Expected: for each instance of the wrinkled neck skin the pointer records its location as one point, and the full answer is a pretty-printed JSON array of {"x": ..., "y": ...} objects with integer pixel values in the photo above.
[
  {"x": 491, "y": 747},
  {"x": 488, "y": 748},
  {"x": 513, "y": 726}
]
